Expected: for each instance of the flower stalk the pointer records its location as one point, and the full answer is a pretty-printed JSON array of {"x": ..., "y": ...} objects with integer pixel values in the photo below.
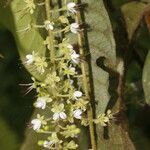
[
  {"x": 50, "y": 33},
  {"x": 84, "y": 68}
]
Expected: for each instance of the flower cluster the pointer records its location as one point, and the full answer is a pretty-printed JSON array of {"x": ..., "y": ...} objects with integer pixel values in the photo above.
[
  {"x": 61, "y": 92},
  {"x": 38, "y": 63},
  {"x": 104, "y": 119}
]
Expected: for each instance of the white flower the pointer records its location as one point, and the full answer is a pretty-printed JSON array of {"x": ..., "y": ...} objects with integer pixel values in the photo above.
[
  {"x": 77, "y": 94},
  {"x": 77, "y": 113},
  {"x": 36, "y": 123},
  {"x": 53, "y": 139},
  {"x": 71, "y": 7},
  {"x": 74, "y": 27},
  {"x": 59, "y": 115},
  {"x": 41, "y": 102},
  {"x": 75, "y": 57},
  {"x": 30, "y": 59},
  {"x": 58, "y": 110},
  {"x": 49, "y": 25},
  {"x": 47, "y": 144}
]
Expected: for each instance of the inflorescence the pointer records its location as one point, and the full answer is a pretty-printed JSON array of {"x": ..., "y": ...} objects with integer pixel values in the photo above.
[{"x": 61, "y": 93}]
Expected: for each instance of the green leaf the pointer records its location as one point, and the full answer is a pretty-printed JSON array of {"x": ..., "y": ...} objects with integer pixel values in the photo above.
[
  {"x": 102, "y": 47},
  {"x": 18, "y": 21},
  {"x": 134, "y": 16},
  {"x": 146, "y": 79},
  {"x": 101, "y": 44}
]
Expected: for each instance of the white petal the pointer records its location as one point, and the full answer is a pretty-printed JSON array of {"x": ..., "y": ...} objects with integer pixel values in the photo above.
[
  {"x": 76, "y": 61},
  {"x": 62, "y": 115},
  {"x": 74, "y": 30},
  {"x": 41, "y": 103},
  {"x": 77, "y": 113},
  {"x": 29, "y": 58},
  {"x": 77, "y": 94},
  {"x": 49, "y": 25},
  {"x": 71, "y": 7},
  {"x": 47, "y": 144},
  {"x": 56, "y": 116},
  {"x": 74, "y": 27},
  {"x": 75, "y": 57},
  {"x": 36, "y": 123}
]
